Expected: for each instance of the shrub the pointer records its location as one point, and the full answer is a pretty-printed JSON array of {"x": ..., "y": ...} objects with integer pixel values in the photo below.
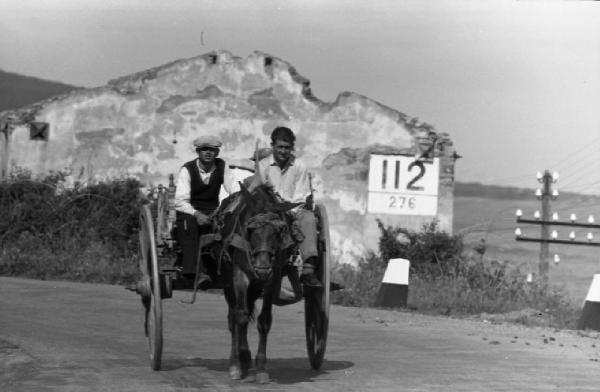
[
  {"x": 85, "y": 233},
  {"x": 362, "y": 283},
  {"x": 430, "y": 250},
  {"x": 445, "y": 281}
]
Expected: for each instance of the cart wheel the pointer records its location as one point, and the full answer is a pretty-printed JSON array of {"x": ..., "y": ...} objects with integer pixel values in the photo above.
[
  {"x": 316, "y": 301},
  {"x": 150, "y": 287}
]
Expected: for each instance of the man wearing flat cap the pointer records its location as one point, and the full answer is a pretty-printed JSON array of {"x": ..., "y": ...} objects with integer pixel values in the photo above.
[{"x": 196, "y": 197}]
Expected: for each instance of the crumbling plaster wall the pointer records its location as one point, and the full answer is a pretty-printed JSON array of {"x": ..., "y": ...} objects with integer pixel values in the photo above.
[{"x": 142, "y": 125}]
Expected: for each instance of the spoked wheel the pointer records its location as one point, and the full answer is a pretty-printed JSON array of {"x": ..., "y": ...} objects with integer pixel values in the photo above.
[
  {"x": 149, "y": 287},
  {"x": 316, "y": 301}
]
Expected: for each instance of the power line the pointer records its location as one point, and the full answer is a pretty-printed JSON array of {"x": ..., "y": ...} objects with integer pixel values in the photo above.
[
  {"x": 574, "y": 153},
  {"x": 583, "y": 174},
  {"x": 581, "y": 163}
]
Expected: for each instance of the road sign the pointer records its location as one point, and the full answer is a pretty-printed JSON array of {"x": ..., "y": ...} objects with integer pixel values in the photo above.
[{"x": 402, "y": 185}]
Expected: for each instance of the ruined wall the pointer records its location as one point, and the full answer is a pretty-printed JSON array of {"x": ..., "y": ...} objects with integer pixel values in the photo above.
[{"x": 142, "y": 125}]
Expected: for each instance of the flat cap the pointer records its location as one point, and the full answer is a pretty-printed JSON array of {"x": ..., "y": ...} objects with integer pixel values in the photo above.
[{"x": 207, "y": 141}]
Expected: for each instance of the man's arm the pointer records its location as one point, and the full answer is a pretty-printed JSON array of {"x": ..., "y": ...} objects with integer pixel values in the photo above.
[
  {"x": 229, "y": 183},
  {"x": 182, "y": 193},
  {"x": 302, "y": 188}
]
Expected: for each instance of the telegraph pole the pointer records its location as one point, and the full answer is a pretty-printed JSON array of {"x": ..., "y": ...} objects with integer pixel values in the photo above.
[{"x": 546, "y": 195}]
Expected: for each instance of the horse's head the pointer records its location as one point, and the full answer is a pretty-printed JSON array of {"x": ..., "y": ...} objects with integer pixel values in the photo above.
[{"x": 269, "y": 238}]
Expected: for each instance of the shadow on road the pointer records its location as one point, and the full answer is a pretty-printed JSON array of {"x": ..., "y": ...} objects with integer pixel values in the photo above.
[{"x": 281, "y": 370}]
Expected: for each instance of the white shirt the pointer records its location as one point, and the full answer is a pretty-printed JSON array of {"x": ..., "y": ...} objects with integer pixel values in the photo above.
[
  {"x": 291, "y": 182},
  {"x": 183, "y": 186}
]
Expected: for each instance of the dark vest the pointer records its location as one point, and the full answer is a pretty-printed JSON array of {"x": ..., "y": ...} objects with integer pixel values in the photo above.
[{"x": 205, "y": 197}]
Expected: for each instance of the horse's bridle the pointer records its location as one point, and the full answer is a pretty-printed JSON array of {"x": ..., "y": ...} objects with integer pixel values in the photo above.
[
  {"x": 260, "y": 220},
  {"x": 263, "y": 219}
]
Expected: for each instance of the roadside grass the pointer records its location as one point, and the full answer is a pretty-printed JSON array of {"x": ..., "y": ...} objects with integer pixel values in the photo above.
[
  {"x": 92, "y": 262},
  {"x": 446, "y": 280}
]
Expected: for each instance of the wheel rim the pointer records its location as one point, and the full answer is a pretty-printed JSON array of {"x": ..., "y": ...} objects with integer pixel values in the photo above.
[
  {"x": 316, "y": 303},
  {"x": 150, "y": 272}
]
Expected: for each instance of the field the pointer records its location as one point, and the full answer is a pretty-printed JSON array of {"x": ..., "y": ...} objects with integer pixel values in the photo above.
[{"x": 494, "y": 221}]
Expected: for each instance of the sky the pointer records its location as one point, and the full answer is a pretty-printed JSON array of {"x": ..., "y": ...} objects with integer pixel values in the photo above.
[{"x": 516, "y": 84}]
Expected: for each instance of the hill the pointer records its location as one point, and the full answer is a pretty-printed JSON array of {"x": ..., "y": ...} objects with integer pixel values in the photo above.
[
  {"x": 499, "y": 192},
  {"x": 19, "y": 90}
]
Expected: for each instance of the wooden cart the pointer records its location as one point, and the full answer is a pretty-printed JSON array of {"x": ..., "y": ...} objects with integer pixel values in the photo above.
[{"x": 158, "y": 252}]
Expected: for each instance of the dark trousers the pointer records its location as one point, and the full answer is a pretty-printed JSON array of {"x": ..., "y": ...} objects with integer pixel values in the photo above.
[{"x": 188, "y": 235}]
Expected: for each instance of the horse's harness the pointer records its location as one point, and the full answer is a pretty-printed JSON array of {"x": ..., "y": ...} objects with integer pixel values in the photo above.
[{"x": 289, "y": 234}]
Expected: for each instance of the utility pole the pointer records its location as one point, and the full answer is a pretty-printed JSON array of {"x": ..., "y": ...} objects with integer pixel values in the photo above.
[
  {"x": 546, "y": 195},
  {"x": 546, "y": 180}
]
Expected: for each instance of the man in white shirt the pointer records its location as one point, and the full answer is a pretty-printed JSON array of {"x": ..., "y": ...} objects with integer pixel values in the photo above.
[
  {"x": 196, "y": 197},
  {"x": 289, "y": 178}
]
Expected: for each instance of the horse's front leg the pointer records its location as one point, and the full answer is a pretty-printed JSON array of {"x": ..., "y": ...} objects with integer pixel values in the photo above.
[
  {"x": 233, "y": 355},
  {"x": 238, "y": 318},
  {"x": 264, "y": 326}
]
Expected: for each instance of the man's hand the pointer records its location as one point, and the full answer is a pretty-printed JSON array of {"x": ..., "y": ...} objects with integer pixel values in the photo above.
[{"x": 201, "y": 218}]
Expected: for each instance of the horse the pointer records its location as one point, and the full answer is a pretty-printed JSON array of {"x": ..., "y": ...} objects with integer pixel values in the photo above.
[{"x": 258, "y": 244}]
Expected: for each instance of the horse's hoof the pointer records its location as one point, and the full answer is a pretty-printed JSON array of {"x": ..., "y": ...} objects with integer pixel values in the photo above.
[
  {"x": 235, "y": 373},
  {"x": 262, "y": 377}
]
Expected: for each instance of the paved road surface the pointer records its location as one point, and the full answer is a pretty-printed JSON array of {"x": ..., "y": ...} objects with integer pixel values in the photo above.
[{"x": 59, "y": 336}]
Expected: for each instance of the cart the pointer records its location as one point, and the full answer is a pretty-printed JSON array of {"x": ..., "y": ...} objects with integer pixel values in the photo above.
[{"x": 157, "y": 259}]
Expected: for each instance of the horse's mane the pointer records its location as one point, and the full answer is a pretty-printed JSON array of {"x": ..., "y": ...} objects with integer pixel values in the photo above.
[
  {"x": 243, "y": 204},
  {"x": 263, "y": 197}
]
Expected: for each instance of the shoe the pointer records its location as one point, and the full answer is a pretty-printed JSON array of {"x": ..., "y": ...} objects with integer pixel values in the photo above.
[
  {"x": 310, "y": 280},
  {"x": 203, "y": 281}
]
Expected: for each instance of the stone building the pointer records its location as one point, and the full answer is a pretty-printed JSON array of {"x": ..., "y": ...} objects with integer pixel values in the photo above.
[{"x": 142, "y": 125}]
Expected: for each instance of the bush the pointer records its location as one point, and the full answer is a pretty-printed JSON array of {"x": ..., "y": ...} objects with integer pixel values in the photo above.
[
  {"x": 445, "y": 281},
  {"x": 430, "y": 251},
  {"x": 362, "y": 283},
  {"x": 86, "y": 233}
]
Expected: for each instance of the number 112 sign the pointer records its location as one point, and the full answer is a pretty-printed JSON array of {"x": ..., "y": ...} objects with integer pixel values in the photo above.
[{"x": 402, "y": 185}]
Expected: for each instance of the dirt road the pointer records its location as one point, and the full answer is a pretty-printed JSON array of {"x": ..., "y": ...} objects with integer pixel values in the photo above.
[{"x": 59, "y": 336}]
